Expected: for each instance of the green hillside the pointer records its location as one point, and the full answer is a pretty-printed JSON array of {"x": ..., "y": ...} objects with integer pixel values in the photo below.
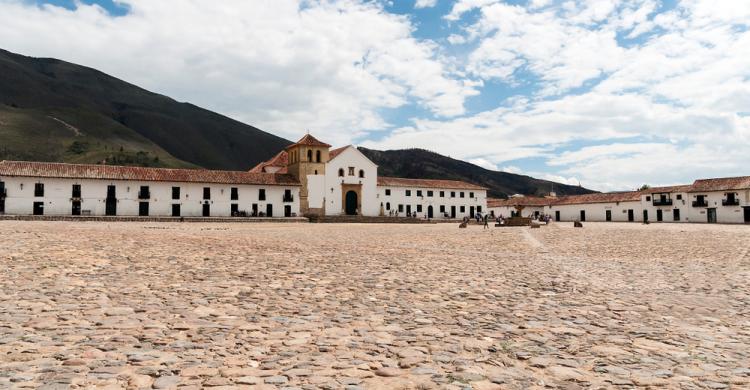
[{"x": 53, "y": 110}]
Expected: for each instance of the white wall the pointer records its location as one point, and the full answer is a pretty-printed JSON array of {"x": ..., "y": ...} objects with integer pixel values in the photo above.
[
  {"x": 398, "y": 197},
  {"x": 682, "y": 204},
  {"x": 316, "y": 185},
  {"x": 528, "y": 211},
  {"x": 351, "y": 157},
  {"x": 724, "y": 214},
  {"x": 596, "y": 212},
  {"x": 58, "y": 192}
]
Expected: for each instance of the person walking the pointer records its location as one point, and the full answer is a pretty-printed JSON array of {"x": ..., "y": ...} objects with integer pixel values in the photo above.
[{"x": 486, "y": 220}]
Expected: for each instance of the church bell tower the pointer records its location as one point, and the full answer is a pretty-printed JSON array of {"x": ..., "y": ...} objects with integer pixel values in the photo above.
[{"x": 308, "y": 156}]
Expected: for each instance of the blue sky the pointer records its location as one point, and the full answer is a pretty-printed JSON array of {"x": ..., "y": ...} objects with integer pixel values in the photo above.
[{"x": 607, "y": 93}]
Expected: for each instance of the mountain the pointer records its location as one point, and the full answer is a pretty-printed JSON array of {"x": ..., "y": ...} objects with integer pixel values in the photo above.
[
  {"x": 52, "y": 110},
  {"x": 419, "y": 163}
]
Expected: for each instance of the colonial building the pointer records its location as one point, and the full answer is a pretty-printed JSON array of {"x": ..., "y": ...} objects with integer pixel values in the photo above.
[
  {"x": 306, "y": 178},
  {"x": 721, "y": 200},
  {"x": 344, "y": 181}
]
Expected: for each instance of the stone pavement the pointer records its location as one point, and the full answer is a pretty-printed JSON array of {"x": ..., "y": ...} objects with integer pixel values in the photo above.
[{"x": 354, "y": 306}]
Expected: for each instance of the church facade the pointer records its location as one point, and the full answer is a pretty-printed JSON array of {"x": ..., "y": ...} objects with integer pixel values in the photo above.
[
  {"x": 308, "y": 177},
  {"x": 343, "y": 181}
]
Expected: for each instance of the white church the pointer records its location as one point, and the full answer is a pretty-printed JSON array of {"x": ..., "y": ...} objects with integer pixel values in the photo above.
[{"x": 307, "y": 178}]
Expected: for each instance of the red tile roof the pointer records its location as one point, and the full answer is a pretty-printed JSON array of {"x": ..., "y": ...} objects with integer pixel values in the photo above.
[
  {"x": 608, "y": 197},
  {"x": 113, "y": 172},
  {"x": 427, "y": 183},
  {"x": 280, "y": 160},
  {"x": 721, "y": 184},
  {"x": 662, "y": 190},
  {"x": 335, "y": 152},
  {"x": 308, "y": 140},
  {"x": 531, "y": 201}
]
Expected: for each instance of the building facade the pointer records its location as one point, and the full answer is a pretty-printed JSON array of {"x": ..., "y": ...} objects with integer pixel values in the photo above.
[
  {"x": 305, "y": 178},
  {"x": 720, "y": 200}
]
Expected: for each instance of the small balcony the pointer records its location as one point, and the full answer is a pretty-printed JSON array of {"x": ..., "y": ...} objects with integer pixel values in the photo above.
[
  {"x": 144, "y": 194},
  {"x": 730, "y": 202},
  {"x": 288, "y": 198},
  {"x": 662, "y": 202},
  {"x": 700, "y": 203}
]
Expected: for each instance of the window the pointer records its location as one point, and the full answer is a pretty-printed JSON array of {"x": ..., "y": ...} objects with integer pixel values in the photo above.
[
  {"x": 39, "y": 189},
  {"x": 463, "y": 209},
  {"x": 388, "y": 206},
  {"x": 288, "y": 195},
  {"x": 419, "y": 192},
  {"x": 453, "y": 194},
  {"x": 362, "y": 173},
  {"x": 317, "y": 156},
  {"x": 648, "y": 199},
  {"x": 419, "y": 208},
  {"x": 442, "y": 208},
  {"x": 206, "y": 192},
  {"x": 234, "y": 193},
  {"x": 262, "y": 194},
  {"x": 144, "y": 193},
  {"x": 176, "y": 194},
  {"x": 400, "y": 208},
  {"x": 429, "y": 194},
  {"x": 679, "y": 196},
  {"x": 76, "y": 191},
  {"x": 408, "y": 192},
  {"x": 309, "y": 155},
  {"x": 341, "y": 172},
  {"x": 442, "y": 194},
  {"x": 461, "y": 194},
  {"x": 387, "y": 192},
  {"x": 351, "y": 171},
  {"x": 479, "y": 209},
  {"x": 471, "y": 194}
]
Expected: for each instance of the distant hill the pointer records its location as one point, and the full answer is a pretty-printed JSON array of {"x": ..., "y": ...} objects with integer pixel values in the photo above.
[
  {"x": 51, "y": 110},
  {"x": 419, "y": 163}
]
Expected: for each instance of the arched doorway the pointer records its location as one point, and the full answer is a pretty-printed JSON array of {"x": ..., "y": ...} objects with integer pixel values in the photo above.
[
  {"x": 351, "y": 203},
  {"x": 429, "y": 212}
]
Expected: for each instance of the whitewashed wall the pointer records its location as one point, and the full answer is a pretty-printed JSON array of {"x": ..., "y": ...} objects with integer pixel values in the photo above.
[
  {"x": 596, "y": 212},
  {"x": 351, "y": 157},
  {"x": 57, "y": 197},
  {"x": 528, "y": 211},
  {"x": 477, "y": 202},
  {"x": 316, "y": 185},
  {"x": 668, "y": 214},
  {"x": 724, "y": 214}
]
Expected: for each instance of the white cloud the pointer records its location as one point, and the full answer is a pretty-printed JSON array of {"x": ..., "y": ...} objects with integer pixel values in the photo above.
[
  {"x": 330, "y": 66},
  {"x": 666, "y": 108},
  {"x": 622, "y": 92},
  {"x": 425, "y": 3}
]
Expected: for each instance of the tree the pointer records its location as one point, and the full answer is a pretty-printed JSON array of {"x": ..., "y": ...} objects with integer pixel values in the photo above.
[{"x": 644, "y": 187}]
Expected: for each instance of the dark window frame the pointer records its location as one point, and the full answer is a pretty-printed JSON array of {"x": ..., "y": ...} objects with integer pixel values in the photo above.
[
  {"x": 234, "y": 193},
  {"x": 261, "y": 194},
  {"x": 38, "y": 190}
]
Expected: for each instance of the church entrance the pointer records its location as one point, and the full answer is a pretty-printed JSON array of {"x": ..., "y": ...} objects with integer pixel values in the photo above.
[
  {"x": 351, "y": 203},
  {"x": 429, "y": 212}
]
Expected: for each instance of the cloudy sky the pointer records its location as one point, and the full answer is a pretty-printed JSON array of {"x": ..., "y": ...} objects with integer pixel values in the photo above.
[{"x": 612, "y": 94}]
